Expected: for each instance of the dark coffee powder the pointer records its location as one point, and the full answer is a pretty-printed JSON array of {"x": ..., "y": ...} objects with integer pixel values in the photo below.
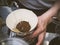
[{"x": 23, "y": 26}]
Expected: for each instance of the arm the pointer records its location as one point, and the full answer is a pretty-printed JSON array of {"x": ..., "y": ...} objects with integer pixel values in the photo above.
[
  {"x": 45, "y": 18},
  {"x": 51, "y": 12},
  {"x": 43, "y": 22}
]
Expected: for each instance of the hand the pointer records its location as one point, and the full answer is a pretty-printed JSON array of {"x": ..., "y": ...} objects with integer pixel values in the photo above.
[{"x": 42, "y": 23}]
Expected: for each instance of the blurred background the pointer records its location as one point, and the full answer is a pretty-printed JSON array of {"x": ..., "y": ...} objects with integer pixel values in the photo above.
[{"x": 7, "y": 6}]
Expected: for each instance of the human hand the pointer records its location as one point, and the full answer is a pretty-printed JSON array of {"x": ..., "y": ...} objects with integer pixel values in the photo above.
[{"x": 40, "y": 31}]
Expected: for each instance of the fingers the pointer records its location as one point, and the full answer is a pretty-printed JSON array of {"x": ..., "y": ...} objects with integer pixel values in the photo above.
[
  {"x": 41, "y": 38},
  {"x": 38, "y": 31}
]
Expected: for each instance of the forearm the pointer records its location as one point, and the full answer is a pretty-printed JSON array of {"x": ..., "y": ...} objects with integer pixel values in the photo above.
[{"x": 51, "y": 12}]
